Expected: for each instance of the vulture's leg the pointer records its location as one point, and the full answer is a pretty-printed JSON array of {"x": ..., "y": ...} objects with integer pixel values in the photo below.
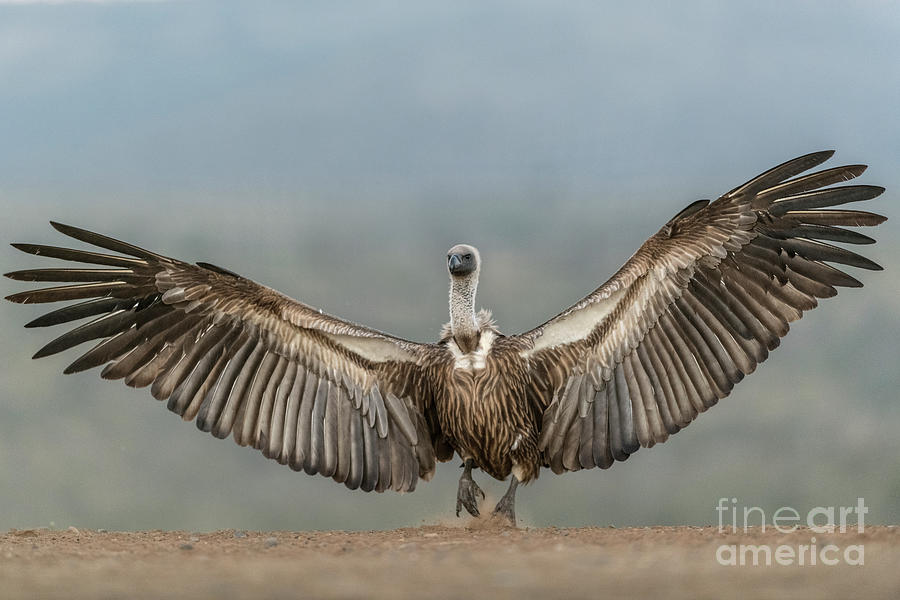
[
  {"x": 507, "y": 505},
  {"x": 468, "y": 490}
]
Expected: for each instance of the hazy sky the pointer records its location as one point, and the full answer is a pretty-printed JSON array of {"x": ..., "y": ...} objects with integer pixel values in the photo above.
[{"x": 336, "y": 149}]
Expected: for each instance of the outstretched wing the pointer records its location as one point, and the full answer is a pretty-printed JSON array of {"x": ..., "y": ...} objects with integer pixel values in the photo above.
[
  {"x": 699, "y": 305},
  {"x": 307, "y": 389}
]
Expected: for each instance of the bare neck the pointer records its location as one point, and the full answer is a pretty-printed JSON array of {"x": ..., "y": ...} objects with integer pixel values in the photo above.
[{"x": 462, "y": 311}]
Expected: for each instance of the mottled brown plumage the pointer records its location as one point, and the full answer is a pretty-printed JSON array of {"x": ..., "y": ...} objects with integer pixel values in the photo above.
[{"x": 697, "y": 308}]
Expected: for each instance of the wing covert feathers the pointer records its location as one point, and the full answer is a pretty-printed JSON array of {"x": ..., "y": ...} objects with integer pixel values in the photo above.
[
  {"x": 309, "y": 390},
  {"x": 697, "y": 308}
]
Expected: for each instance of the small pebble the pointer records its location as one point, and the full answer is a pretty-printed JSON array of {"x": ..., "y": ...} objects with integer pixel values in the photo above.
[
  {"x": 186, "y": 547},
  {"x": 73, "y": 529},
  {"x": 194, "y": 538},
  {"x": 240, "y": 534},
  {"x": 101, "y": 531},
  {"x": 271, "y": 542}
]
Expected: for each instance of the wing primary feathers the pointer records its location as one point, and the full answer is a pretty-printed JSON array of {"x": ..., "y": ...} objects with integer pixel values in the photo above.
[
  {"x": 106, "y": 242},
  {"x": 810, "y": 182},
  {"x": 779, "y": 173},
  {"x": 74, "y": 312},
  {"x": 821, "y": 232},
  {"x": 824, "y": 198},
  {"x": 79, "y": 255},
  {"x": 69, "y": 292},
  {"x": 850, "y": 218},
  {"x": 50, "y": 275},
  {"x": 101, "y": 327},
  {"x": 821, "y": 251}
]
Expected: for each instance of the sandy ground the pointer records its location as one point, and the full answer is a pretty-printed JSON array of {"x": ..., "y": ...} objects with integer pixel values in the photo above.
[{"x": 480, "y": 560}]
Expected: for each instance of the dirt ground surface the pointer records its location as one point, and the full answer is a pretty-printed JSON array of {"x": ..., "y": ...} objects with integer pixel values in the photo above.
[{"x": 480, "y": 560}]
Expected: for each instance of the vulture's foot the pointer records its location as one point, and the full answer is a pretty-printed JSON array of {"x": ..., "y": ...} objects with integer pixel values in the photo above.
[
  {"x": 506, "y": 508},
  {"x": 467, "y": 494}
]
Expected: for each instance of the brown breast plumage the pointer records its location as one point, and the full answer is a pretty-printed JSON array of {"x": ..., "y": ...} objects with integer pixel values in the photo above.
[{"x": 483, "y": 407}]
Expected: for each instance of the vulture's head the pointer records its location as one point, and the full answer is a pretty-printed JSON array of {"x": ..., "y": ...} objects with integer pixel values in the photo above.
[{"x": 463, "y": 260}]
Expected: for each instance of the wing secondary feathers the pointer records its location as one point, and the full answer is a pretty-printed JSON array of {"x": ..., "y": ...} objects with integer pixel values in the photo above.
[
  {"x": 307, "y": 389},
  {"x": 697, "y": 308}
]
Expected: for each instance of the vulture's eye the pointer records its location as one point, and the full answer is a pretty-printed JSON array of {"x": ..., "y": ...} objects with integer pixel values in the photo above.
[{"x": 468, "y": 257}]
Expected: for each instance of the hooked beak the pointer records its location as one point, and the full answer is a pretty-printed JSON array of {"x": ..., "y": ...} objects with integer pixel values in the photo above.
[{"x": 455, "y": 263}]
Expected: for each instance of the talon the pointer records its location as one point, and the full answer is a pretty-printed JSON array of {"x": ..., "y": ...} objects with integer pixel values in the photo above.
[
  {"x": 507, "y": 505},
  {"x": 467, "y": 494}
]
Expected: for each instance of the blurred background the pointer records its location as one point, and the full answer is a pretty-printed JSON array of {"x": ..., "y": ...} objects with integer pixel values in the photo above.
[{"x": 334, "y": 151}]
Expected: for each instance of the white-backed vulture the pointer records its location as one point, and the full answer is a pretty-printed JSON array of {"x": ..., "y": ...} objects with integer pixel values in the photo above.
[{"x": 696, "y": 308}]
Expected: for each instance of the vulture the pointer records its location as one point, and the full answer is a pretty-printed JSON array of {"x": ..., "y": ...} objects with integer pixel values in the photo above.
[{"x": 694, "y": 310}]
